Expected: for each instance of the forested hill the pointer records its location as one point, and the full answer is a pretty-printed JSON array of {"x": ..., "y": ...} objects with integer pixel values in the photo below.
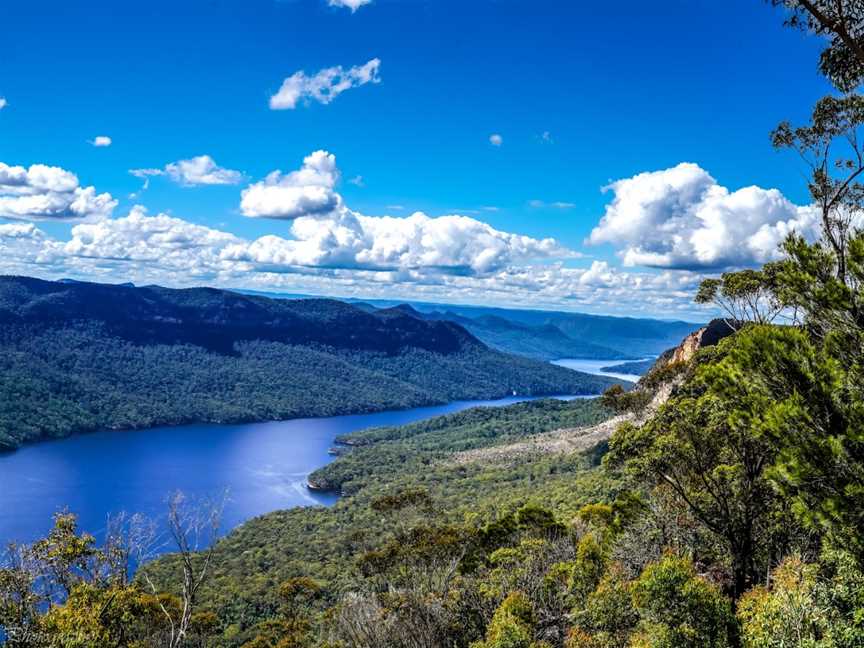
[
  {"x": 552, "y": 335},
  {"x": 82, "y": 356},
  {"x": 217, "y": 319}
]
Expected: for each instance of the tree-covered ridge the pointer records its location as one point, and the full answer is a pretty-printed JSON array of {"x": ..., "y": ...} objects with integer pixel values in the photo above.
[
  {"x": 218, "y": 319},
  {"x": 543, "y": 340},
  {"x": 556, "y": 334},
  {"x": 80, "y": 357},
  {"x": 325, "y": 544},
  {"x": 416, "y": 447},
  {"x": 636, "y": 368}
]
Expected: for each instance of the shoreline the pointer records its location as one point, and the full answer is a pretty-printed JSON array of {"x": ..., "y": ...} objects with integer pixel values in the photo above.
[{"x": 6, "y": 450}]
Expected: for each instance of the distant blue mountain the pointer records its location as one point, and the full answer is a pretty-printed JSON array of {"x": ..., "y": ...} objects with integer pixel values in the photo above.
[{"x": 547, "y": 335}]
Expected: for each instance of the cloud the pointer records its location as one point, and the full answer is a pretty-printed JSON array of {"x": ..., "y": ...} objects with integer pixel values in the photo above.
[
  {"x": 540, "y": 204},
  {"x": 446, "y": 244},
  {"x": 3, "y": 103},
  {"x": 201, "y": 170},
  {"x": 324, "y": 86},
  {"x": 20, "y": 231},
  {"x": 43, "y": 192},
  {"x": 197, "y": 171},
  {"x": 357, "y": 181},
  {"x": 546, "y": 137},
  {"x": 101, "y": 140},
  {"x": 146, "y": 173},
  {"x": 170, "y": 242},
  {"x": 496, "y": 140},
  {"x": 682, "y": 218},
  {"x": 353, "y": 5},
  {"x": 331, "y": 249},
  {"x": 307, "y": 192},
  {"x": 328, "y": 234},
  {"x": 437, "y": 259}
]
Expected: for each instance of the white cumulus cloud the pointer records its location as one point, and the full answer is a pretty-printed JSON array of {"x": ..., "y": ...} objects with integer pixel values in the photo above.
[
  {"x": 445, "y": 244},
  {"x": 43, "y": 192},
  {"x": 3, "y": 103},
  {"x": 323, "y": 86},
  {"x": 170, "y": 242},
  {"x": 353, "y": 5},
  {"x": 201, "y": 170},
  {"x": 682, "y": 218},
  {"x": 496, "y": 139},
  {"x": 307, "y": 192},
  {"x": 329, "y": 235},
  {"x": 437, "y": 259},
  {"x": 331, "y": 249},
  {"x": 101, "y": 141}
]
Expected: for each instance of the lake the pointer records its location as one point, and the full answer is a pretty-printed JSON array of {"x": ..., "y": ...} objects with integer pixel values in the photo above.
[
  {"x": 596, "y": 367},
  {"x": 263, "y": 466}
]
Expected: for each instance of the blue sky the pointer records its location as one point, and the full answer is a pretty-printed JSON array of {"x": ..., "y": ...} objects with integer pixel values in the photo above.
[{"x": 580, "y": 96}]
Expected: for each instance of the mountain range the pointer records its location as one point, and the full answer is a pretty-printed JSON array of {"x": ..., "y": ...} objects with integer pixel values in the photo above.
[
  {"x": 78, "y": 356},
  {"x": 546, "y": 335}
]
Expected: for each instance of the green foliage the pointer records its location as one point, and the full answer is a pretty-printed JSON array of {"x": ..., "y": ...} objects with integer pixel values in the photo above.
[
  {"x": 512, "y": 625},
  {"x": 815, "y": 375},
  {"x": 617, "y": 399},
  {"x": 104, "y": 617},
  {"x": 608, "y": 617},
  {"x": 679, "y": 609},
  {"x": 63, "y": 591},
  {"x": 806, "y": 605},
  {"x": 788, "y": 613},
  {"x": 410, "y": 449},
  {"x": 746, "y": 296},
  {"x": 839, "y": 25},
  {"x": 704, "y": 444}
]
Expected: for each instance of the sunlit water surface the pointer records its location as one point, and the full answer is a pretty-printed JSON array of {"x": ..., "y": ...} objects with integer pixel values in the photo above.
[{"x": 262, "y": 466}]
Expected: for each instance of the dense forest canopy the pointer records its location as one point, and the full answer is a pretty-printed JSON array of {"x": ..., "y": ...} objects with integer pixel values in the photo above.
[
  {"x": 76, "y": 357},
  {"x": 725, "y": 511}
]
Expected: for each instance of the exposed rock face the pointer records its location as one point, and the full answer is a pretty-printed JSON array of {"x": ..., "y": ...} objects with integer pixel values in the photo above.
[
  {"x": 688, "y": 347},
  {"x": 706, "y": 336}
]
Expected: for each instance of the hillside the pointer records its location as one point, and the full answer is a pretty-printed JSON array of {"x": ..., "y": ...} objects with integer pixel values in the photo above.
[
  {"x": 552, "y": 335},
  {"x": 545, "y": 335},
  {"x": 483, "y": 462},
  {"x": 76, "y": 357},
  {"x": 446, "y": 525},
  {"x": 635, "y": 367},
  {"x": 544, "y": 341},
  {"x": 323, "y": 543}
]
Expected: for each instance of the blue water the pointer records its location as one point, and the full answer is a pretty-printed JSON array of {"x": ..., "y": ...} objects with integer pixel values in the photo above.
[
  {"x": 263, "y": 466},
  {"x": 595, "y": 367}
]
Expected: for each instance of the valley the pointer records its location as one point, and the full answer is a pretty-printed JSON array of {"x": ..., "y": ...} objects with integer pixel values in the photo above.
[{"x": 80, "y": 357}]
